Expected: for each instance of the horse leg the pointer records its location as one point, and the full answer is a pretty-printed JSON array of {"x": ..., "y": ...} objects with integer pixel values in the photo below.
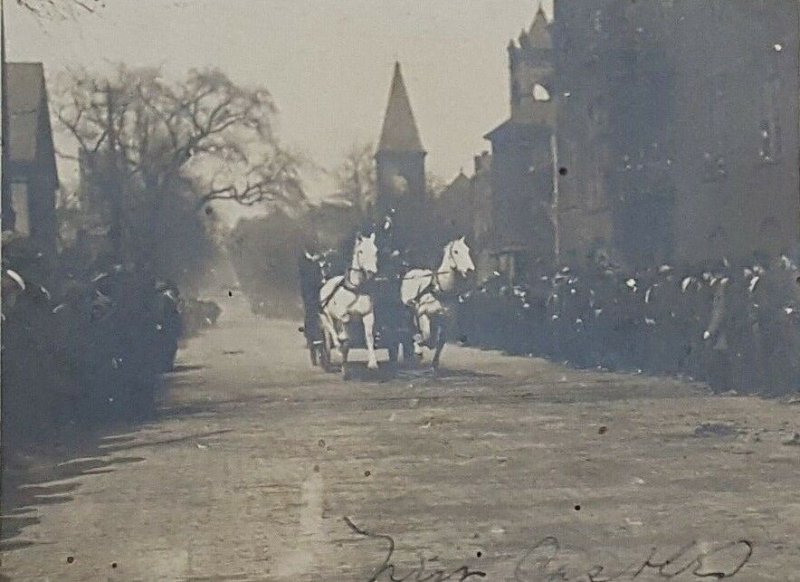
[
  {"x": 441, "y": 338},
  {"x": 329, "y": 326},
  {"x": 424, "y": 336},
  {"x": 369, "y": 326},
  {"x": 344, "y": 348}
]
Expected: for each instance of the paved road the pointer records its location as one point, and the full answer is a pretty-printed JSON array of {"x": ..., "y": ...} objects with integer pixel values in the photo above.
[{"x": 256, "y": 459}]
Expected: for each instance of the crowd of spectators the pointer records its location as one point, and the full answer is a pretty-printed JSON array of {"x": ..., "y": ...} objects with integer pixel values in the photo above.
[
  {"x": 734, "y": 327},
  {"x": 82, "y": 341}
]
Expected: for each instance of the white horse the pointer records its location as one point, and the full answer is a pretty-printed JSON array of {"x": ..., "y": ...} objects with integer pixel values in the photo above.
[
  {"x": 422, "y": 289},
  {"x": 342, "y": 298}
]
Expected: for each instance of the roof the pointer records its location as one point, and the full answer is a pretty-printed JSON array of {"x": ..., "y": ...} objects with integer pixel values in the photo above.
[
  {"x": 512, "y": 130},
  {"x": 399, "y": 132},
  {"x": 26, "y": 99},
  {"x": 460, "y": 186}
]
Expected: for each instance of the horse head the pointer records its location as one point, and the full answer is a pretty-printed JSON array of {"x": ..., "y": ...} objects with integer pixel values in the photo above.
[
  {"x": 458, "y": 254},
  {"x": 365, "y": 254}
]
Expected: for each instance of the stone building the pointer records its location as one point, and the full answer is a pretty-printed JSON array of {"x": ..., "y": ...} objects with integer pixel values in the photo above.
[
  {"x": 524, "y": 237},
  {"x": 659, "y": 131},
  {"x": 734, "y": 134}
]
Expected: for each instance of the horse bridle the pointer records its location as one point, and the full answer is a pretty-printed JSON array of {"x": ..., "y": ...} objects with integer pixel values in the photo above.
[
  {"x": 345, "y": 283},
  {"x": 348, "y": 284}
]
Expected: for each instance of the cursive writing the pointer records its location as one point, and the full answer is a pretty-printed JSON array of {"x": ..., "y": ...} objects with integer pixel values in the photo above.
[
  {"x": 419, "y": 574},
  {"x": 544, "y": 562},
  {"x": 540, "y": 563}
]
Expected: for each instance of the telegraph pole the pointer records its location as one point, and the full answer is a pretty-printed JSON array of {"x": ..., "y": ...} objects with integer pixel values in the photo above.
[
  {"x": 554, "y": 208},
  {"x": 6, "y": 210},
  {"x": 6, "y": 213},
  {"x": 114, "y": 178}
]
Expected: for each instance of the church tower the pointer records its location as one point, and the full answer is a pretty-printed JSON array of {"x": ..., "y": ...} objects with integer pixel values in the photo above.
[
  {"x": 400, "y": 157},
  {"x": 524, "y": 154},
  {"x": 531, "y": 68}
]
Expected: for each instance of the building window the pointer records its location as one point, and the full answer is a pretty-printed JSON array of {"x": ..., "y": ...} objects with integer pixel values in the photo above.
[
  {"x": 770, "y": 142},
  {"x": 19, "y": 203},
  {"x": 597, "y": 21},
  {"x": 769, "y": 128}
]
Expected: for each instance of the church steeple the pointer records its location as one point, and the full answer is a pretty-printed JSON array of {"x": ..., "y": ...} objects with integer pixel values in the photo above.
[
  {"x": 399, "y": 132},
  {"x": 400, "y": 168}
]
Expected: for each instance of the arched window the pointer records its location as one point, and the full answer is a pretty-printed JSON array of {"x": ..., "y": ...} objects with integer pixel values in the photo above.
[{"x": 540, "y": 93}]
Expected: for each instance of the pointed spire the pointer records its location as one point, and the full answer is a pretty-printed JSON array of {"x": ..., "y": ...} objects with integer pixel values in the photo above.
[
  {"x": 539, "y": 33},
  {"x": 399, "y": 132}
]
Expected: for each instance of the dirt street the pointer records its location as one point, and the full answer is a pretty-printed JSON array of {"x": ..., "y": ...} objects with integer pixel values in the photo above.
[{"x": 260, "y": 467}]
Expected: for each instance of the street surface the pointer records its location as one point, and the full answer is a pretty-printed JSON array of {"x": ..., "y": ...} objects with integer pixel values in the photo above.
[{"x": 256, "y": 459}]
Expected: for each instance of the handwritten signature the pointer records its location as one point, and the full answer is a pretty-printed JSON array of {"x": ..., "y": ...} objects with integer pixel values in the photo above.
[
  {"x": 722, "y": 562},
  {"x": 541, "y": 564},
  {"x": 388, "y": 568}
]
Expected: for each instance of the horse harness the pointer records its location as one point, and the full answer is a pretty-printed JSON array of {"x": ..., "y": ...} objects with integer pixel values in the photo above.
[
  {"x": 345, "y": 283},
  {"x": 434, "y": 289}
]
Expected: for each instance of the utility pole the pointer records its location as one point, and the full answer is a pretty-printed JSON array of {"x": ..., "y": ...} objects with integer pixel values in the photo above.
[
  {"x": 6, "y": 212},
  {"x": 113, "y": 176},
  {"x": 6, "y": 209},
  {"x": 554, "y": 210}
]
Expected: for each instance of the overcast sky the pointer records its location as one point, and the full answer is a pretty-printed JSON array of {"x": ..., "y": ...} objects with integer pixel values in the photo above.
[{"x": 328, "y": 63}]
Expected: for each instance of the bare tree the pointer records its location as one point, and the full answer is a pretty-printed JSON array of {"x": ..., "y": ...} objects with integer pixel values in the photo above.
[
  {"x": 355, "y": 177},
  {"x": 152, "y": 153},
  {"x": 206, "y": 131},
  {"x": 61, "y": 8}
]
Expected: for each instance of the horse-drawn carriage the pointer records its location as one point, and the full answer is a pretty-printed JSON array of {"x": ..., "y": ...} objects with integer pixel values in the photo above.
[
  {"x": 384, "y": 313},
  {"x": 393, "y": 327}
]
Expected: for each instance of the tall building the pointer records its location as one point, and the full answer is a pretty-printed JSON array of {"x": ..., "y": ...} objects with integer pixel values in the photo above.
[
  {"x": 523, "y": 166},
  {"x": 734, "y": 130},
  {"x": 400, "y": 165},
  {"x": 675, "y": 133}
]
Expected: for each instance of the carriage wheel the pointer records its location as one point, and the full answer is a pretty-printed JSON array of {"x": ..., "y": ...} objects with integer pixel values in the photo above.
[{"x": 346, "y": 366}]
